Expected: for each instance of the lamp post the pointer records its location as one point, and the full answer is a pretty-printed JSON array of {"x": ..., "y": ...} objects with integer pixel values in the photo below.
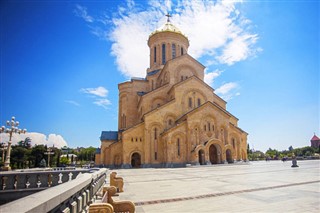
[
  {"x": 3, "y": 147},
  {"x": 12, "y": 127},
  {"x": 49, "y": 152}
]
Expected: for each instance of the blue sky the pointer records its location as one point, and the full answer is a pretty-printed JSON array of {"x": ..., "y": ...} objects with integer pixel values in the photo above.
[{"x": 61, "y": 62}]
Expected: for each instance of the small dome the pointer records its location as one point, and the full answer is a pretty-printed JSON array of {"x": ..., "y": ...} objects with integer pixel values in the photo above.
[{"x": 168, "y": 27}]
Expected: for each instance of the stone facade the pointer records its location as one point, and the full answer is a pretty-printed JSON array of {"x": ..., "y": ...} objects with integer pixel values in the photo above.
[{"x": 172, "y": 117}]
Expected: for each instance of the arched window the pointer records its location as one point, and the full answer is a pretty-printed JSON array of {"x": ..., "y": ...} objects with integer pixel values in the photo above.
[
  {"x": 205, "y": 127},
  {"x": 181, "y": 50},
  {"x": 170, "y": 122},
  {"x": 123, "y": 124},
  {"x": 233, "y": 143},
  {"x": 155, "y": 133},
  {"x": 155, "y": 54},
  {"x": 209, "y": 126},
  {"x": 190, "y": 102},
  {"x": 173, "y": 50},
  {"x": 178, "y": 146},
  {"x": 163, "y": 53},
  {"x": 199, "y": 102}
]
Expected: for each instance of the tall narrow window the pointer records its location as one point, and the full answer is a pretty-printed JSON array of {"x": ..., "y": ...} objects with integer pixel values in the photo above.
[
  {"x": 163, "y": 53},
  {"x": 155, "y": 155},
  {"x": 155, "y": 133},
  {"x": 199, "y": 101},
  {"x": 178, "y": 146},
  {"x": 173, "y": 50},
  {"x": 209, "y": 126},
  {"x": 123, "y": 121},
  {"x": 154, "y": 54},
  {"x": 181, "y": 50},
  {"x": 190, "y": 102}
]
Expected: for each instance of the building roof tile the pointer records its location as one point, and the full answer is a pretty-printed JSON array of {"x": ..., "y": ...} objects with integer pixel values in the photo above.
[
  {"x": 315, "y": 138},
  {"x": 109, "y": 135}
]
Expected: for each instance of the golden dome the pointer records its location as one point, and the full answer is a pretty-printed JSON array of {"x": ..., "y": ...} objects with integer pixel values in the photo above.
[{"x": 168, "y": 27}]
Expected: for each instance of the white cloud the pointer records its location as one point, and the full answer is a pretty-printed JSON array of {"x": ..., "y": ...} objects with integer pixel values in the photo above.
[
  {"x": 72, "y": 102},
  {"x": 228, "y": 90},
  {"x": 82, "y": 12},
  {"x": 216, "y": 30},
  {"x": 103, "y": 103},
  {"x": 210, "y": 76},
  {"x": 238, "y": 49},
  {"x": 99, "y": 95},
  {"x": 36, "y": 139},
  {"x": 99, "y": 91}
]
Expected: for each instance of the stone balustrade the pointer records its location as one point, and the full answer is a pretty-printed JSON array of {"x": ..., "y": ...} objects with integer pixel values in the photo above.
[
  {"x": 27, "y": 182},
  {"x": 71, "y": 196}
]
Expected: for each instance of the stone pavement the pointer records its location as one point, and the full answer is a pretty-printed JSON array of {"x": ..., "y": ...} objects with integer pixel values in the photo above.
[{"x": 253, "y": 187}]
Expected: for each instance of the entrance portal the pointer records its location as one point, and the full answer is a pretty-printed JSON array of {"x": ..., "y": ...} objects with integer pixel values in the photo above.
[
  {"x": 213, "y": 153},
  {"x": 229, "y": 156},
  {"x": 135, "y": 160},
  {"x": 201, "y": 157}
]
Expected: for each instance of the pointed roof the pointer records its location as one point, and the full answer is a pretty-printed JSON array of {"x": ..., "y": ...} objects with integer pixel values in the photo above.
[{"x": 315, "y": 138}]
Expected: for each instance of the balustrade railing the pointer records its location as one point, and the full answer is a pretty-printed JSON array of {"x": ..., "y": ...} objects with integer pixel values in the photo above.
[
  {"x": 71, "y": 196},
  {"x": 36, "y": 179}
]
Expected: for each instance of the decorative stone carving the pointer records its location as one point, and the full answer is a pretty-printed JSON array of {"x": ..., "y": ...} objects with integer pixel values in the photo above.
[
  {"x": 118, "y": 206},
  {"x": 100, "y": 208},
  {"x": 70, "y": 176},
  {"x": 27, "y": 181},
  {"x": 38, "y": 181},
  {"x": 60, "y": 178},
  {"x": 49, "y": 180},
  {"x": 116, "y": 181}
]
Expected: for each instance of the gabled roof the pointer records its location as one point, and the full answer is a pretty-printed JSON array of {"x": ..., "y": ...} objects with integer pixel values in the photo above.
[
  {"x": 153, "y": 72},
  {"x": 208, "y": 103},
  {"x": 315, "y": 138},
  {"x": 189, "y": 79},
  {"x": 109, "y": 135},
  {"x": 176, "y": 59}
]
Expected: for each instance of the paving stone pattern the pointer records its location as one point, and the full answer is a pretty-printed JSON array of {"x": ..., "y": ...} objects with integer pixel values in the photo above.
[{"x": 254, "y": 187}]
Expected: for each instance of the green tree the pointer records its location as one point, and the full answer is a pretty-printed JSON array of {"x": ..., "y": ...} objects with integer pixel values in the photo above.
[
  {"x": 18, "y": 157},
  {"x": 64, "y": 161},
  {"x": 37, "y": 154}
]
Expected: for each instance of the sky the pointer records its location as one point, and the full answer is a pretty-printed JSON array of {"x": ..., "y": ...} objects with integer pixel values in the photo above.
[{"x": 61, "y": 63}]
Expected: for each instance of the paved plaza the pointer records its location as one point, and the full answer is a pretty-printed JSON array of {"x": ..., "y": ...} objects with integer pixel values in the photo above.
[{"x": 252, "y": 187}]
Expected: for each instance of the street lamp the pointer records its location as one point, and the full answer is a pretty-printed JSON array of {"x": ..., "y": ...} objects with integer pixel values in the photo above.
[
  {"x": 3, "y": 147},
  {"x": 12, "y": 127}
]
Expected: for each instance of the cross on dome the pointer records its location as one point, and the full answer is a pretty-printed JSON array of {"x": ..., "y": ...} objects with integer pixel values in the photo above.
[{"x": 168, "y": 15}]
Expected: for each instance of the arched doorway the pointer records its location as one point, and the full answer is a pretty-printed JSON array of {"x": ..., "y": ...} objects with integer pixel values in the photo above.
[
  {"x": 229, "y": 156},
  {"x": 213, "y": 153},
  {"x": 135, "y": 160},
  {"x": 201, "y": 157}
]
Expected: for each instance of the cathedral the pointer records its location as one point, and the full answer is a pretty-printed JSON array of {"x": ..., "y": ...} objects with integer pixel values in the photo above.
[{"x": 171, "y": 118}]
